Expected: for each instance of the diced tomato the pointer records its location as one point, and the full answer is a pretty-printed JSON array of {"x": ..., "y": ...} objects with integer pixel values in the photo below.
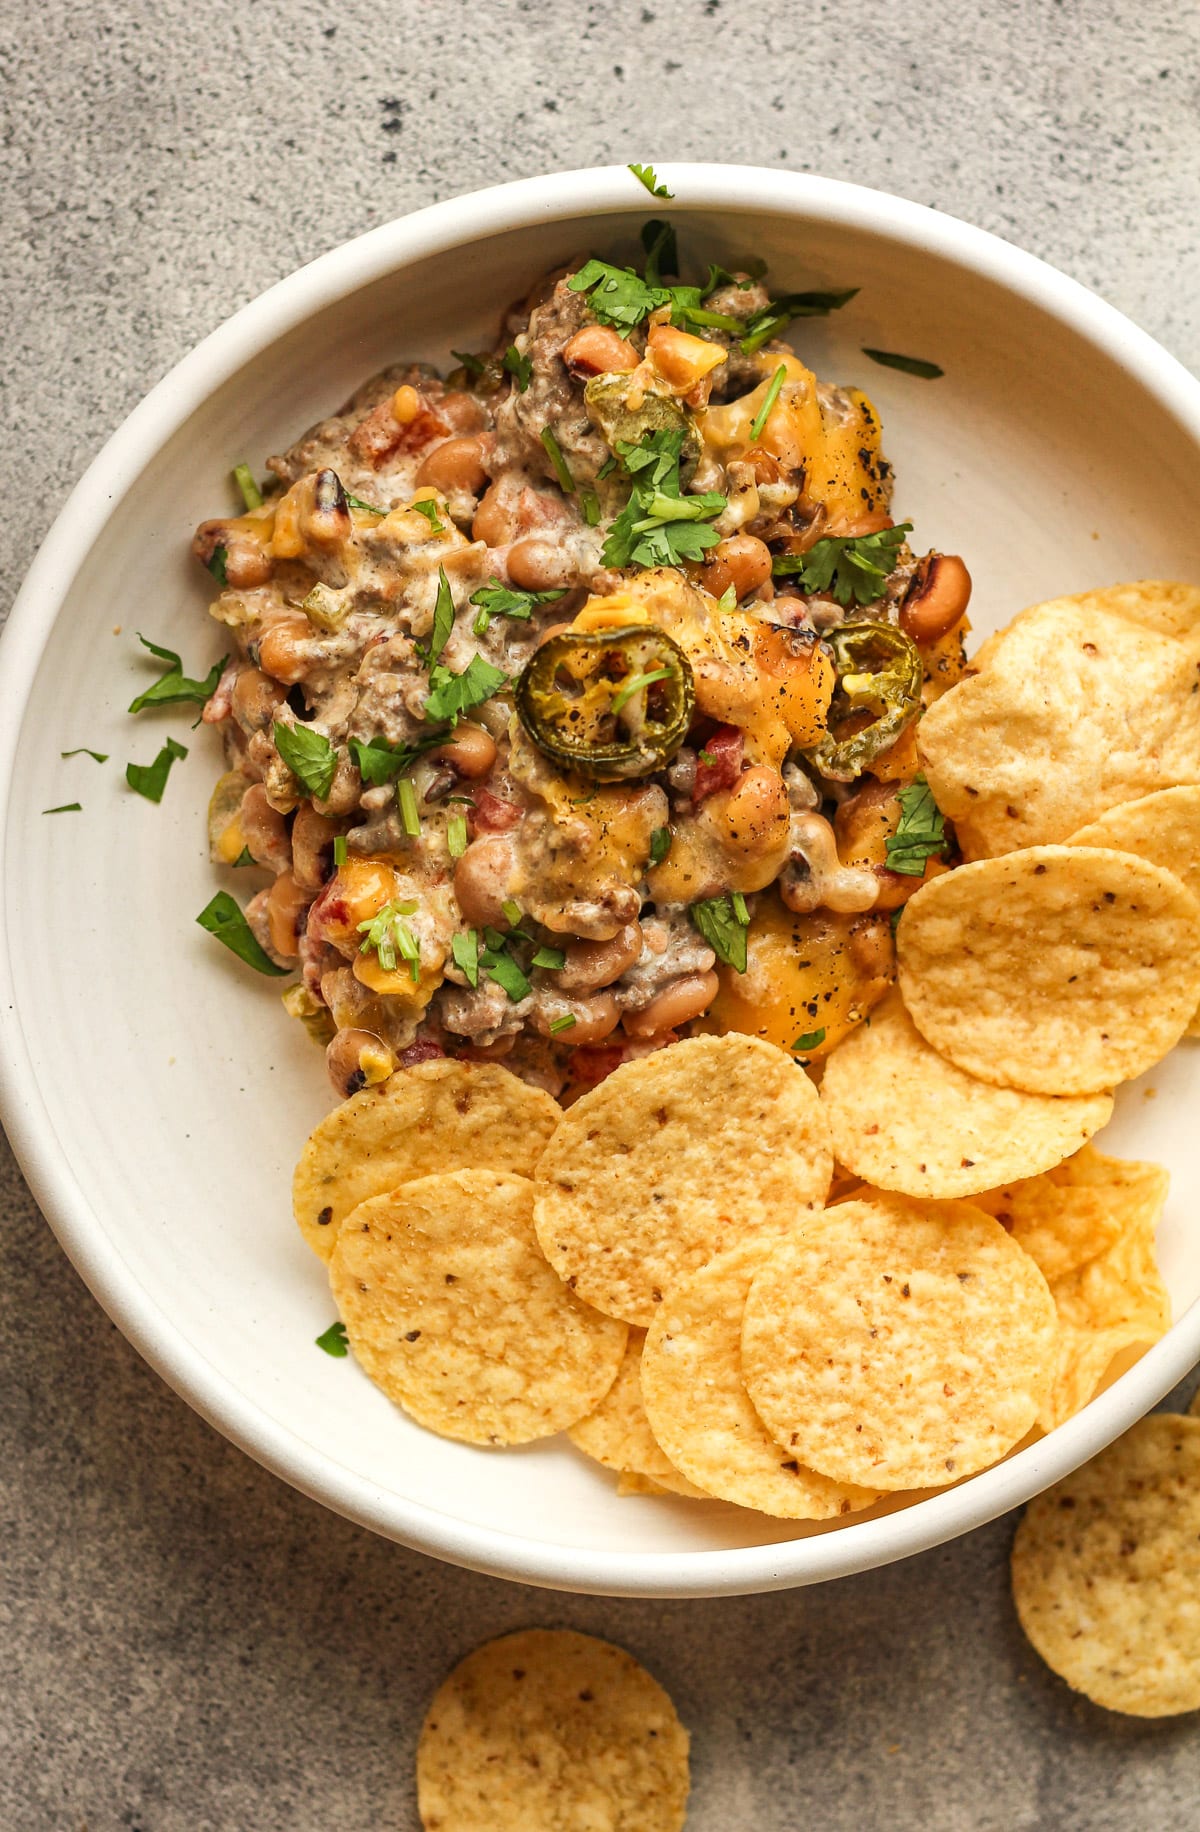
[
  {"x": 593, "y": 1065},
  {"x": 423, "y": 1050},
  {"x": 719, "y": 762},
  {"x": 492, "y": 813}
]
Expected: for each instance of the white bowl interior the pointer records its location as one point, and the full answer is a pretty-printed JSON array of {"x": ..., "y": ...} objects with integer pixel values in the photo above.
[{"x": 179, "y": 1093}]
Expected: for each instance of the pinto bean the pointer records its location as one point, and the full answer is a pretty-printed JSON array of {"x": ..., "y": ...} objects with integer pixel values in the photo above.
[
  {"x": 539, "y": 565},
  {"x": 264, "y": 830},
  {"x": 742, "y": 561},
  {"x": 595, "y": 1019},
  {"x": 481, "y": 880},
  {"x": 494, "y": 522},
  {"x": 312, "y": 846},
  {"x": 471, "y": 751},
  {"x": 597, "y": 350},
  {"x": 357, "y": 1059},
  {"x": 682, "y": 1001},
  {"x": 456, "y": 464},
  {"x": 286, "y": 903},
  {"x": 591, "y": 964},
  {"x": 256, "y": 698},
  {"x": 283, "y": 649},
  {"x": 937, "y": 597}
]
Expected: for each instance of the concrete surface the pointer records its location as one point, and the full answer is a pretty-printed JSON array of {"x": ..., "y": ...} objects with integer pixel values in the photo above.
[{"x": 189, "y": 1646}]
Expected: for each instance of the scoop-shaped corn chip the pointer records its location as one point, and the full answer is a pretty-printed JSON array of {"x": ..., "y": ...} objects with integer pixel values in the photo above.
[
  {"x": 1060, "y": 969},
  {"x": 1071, "y": 709},
  {"x": 959, "y": 1135},
  {"x": 1106, "y": 1571}
]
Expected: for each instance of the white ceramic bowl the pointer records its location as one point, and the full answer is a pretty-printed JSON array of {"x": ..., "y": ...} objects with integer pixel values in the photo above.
[{"x": 155, "y": 1092}]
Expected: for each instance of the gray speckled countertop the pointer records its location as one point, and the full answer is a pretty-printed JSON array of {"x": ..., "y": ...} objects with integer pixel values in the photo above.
[{"x": 188, "y": 1645}]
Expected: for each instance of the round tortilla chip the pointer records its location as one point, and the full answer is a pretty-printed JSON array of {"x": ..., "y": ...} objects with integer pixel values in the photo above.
[
  {"x": 618, "y": 1432},
  {"x": 1071, "y": 1214},
  {"x": 1061, "y": 970},
  {"x": 451, "y": 1309},
  {"x": 1076, "y": 705},
  {"x": 1168, "y": 606},
  {"x": 1164, "y": 828},
  {"x": 699, "y": 1409},
  {"x": 438, "y": 1116},
  {"x": 961, "y": 1137},
  {"x": 1106, "y": 1572},
  {"x": 550, "y": 1731},
  {"x": 898, "y": 1344},
  {"x": 672, "y": 1159}
]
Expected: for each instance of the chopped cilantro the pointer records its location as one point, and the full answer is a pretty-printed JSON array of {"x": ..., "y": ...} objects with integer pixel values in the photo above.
[
  {"x": 309, "y": 756},
  {"x": 216, "y": 565},
  {"x": 636, "y": 684},
  {"x": 243, "y": 477},
  {"x": 659, "y": 525},
  {"x": 456, "y": 835},
  {"x": 339, "y": 850},
  {"x": 921, "y": 833},
  {"x": 454, "y": 693},
  {"x": 562, "y": 469},
  {"x": 660, "y": 845},
  {"x": 465, "y": 948},
  {"x": 356, "y": 502},
  {"x": 772, "y": 395},
  {"x": 500, "y": 966},
  {"x": 223, "y": 918},
  {"x": 429, "y": 509},
  {"x": 811, "y": 1040},
  {"x": 333, "y": 1341},
  {"x": 150, "y": 779},
  {"x": 910, "y": 365},
  {"x": 723, "y": 922},
  {"x": 390, "y": 935},
  {"x": 518, "y": 366},
  {"x": 589, "y": 502},
  {"x": 83, "y": 751},
  {"x": 379, "y": 762},
  {"x": 778, "y": 313},
  {"x": 568, "y": 1021},
  {"x": 512, "y": 912},
  {"x": 245, "y": 857},
  {"x": 474, "y": 365},
  {"x": 550, "y": 958},
  {"x": 854, "y": 569},
  {"x": 69, "y": 807},
  {"x": 174, "y": 687},
  {"x": 443, "y": 622},
  {"x": 617, "y": 296},
  {"x": 496, "y": 600},
  {"x": 646, "y": 174},
  {"x": 728, "y": 599}
]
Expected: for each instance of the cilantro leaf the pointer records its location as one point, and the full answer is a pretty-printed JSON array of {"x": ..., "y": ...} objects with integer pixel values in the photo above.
[
  {"x": 379, "y": 761},
  {"x": 853, "y": 568},
  {"x": 910, "y": 365},
  {"x": 150, "y": 779},
  {"x": 309, "y": 756},
  {"x": 660, "y": 845},
  {"x": 550, "y": 958},
  {"x": 811, "y": 1040},
  {"x": 659, "y": 525},
  {"x": 921, "y": 833},
  {"x": 334, "y": 1341},
  {"x": 723, "y": 922},
  {"x": 223, "y": 918},
  {"x": 646, "y": 174},
  {"x": 518, "y": 366},
  {"x": 662, "y": 250},
  {"x": 356, "y": 502},
  {"x": 496, "y": 600},
  {"x": 429, "y": 509},
  {"x": 500, "y": 966},
  {"x": 562, "y": 469},
  {"x": 216, "y": 565},
  {"x": 778, "y": 313},
  {"x": 83, "y": 751},
  {"x": 617, "y": 295},
  {"x": 474, "y": 365},
  {"x": 443, "y": 622},
  {"x": 464, "y": 946},
  {"x": 65, "y": 808},
  {"x": 454, "y": 693},
  {"x": 174, "y": 687}
]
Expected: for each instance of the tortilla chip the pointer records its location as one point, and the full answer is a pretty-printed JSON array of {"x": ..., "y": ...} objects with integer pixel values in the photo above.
[
  {"x": 898, "y": 1344},
  {"x": 673, "y": 1158},
  {"x": 699, "y": 1409},
  {"x": 452, "y": 1310},
  {"x": 618, "y": 1432},
  {"x": 1106, "y": 1572},
  {"x": 1076, "y": 1211},
  {"x": 1061, "y": 970},
  {"x": 438, "y": 1116},
  {"x": 961, "y": 1136},
  {"x": 547, "y": 1728},
  {"x": 1072, "y": 709}
]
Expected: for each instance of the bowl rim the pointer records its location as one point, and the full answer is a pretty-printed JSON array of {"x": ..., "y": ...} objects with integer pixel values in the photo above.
[{"x": 440, "y": 228}]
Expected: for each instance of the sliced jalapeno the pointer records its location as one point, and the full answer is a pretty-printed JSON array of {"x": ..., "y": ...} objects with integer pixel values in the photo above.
[
  {"x": 878, "y": 668},
  {"x": 612, "y": 704}
]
